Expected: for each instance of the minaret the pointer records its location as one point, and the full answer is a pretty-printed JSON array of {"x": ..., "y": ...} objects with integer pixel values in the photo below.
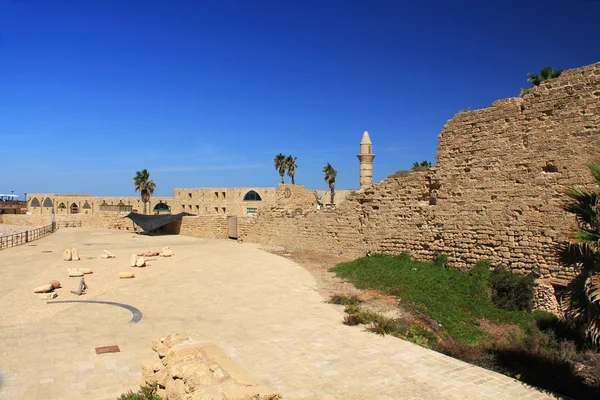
[{"x": 366, "y": 157}]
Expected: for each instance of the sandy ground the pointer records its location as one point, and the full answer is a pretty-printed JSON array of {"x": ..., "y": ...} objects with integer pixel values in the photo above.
[{"x": 21, "y": 306}]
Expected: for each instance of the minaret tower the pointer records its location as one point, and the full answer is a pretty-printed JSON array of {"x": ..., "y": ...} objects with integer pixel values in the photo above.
[{"x": 366, "y": 157}]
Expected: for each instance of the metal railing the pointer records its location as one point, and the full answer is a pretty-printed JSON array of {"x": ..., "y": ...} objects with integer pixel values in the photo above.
[{"x": 19, "y": 238}]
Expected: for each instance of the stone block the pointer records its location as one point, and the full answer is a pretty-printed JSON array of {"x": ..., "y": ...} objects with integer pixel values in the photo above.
[
  {"x": 67, "y": 255},
  {"x": 140, "y": 262},
  {"x": 126, "y": 275},
  {"x": 175, "y": 389},
  {"x": 44, "y": 288},
  {"x": 48, "y": 296},
  {"x": 133, "y": 260}
]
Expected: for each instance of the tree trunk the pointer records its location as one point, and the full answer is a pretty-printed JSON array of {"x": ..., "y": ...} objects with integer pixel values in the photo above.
[
  {"x": 282, "y": 182},
  {"x": 332, "y": 195},
  {"x": 293, "y": 182}
]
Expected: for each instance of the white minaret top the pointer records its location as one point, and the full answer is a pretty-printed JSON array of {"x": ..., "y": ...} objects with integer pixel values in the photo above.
[{"x": 366, "y": 139}]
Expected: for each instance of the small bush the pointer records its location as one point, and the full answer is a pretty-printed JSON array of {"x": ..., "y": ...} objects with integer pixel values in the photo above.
[
  {"x": 352, "y": 309},
  {"x": 145, "y": 393},
  {"x": 352, "y": 320},
  {"x": 345, "y": 300},
  {"x": 440, "y": 260},
  {"x": 511, "y": 291}
]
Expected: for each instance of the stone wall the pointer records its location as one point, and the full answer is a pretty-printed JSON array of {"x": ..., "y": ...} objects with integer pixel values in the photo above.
[
  {"x": 495, "y": 191},
  {"x": 109, "y": 221}
]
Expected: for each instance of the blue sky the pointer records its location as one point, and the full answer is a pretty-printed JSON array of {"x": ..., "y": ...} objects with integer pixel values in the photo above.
[{"x": 206, "y": 93}]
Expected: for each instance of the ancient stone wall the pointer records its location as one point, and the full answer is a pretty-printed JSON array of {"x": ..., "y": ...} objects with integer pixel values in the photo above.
[
  {"x": 203, "y": 226},
  {"x": 495, "y": 191},
  {"x": 109, "y": 221}
]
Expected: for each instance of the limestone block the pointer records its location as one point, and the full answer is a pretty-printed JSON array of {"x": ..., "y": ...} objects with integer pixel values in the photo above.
[
  {"x": 108, "y": 253},
  {"x": 126, "y": 275},
  {"x": 183, "y": 352},
  {"x": 75, "y": 273},
  {"x": 175, "y": 389},
  {"x": 140, "y": 262},
  {"x": 55, "y": 284},
  {"x": 148, "y": 372},
  {"x": 104, "y": 256},
  {"x": 162, "y": 377},
  {"x": 166, "y": 252},
  {"x": 175, "y": 338},
  {"x": 67, "y": 255},
  {"x": 133, "y": 260},
  {"x": 198, "y": 394},
  {"x": 44, "y": 288},
  {"x": 156, "y": 343},
  {"x": 194, "y": 374},
  {"x": 82, "y": 270},
  {"x": 74, "y": 255},
  {"x": 48, "y": 296}
]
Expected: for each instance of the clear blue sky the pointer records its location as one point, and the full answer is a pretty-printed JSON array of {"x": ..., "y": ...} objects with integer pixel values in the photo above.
[{"x": 205, "y": 93}]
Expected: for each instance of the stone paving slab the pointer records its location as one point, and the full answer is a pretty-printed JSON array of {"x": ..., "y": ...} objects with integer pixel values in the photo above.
[{"x": 260, "y": 309}]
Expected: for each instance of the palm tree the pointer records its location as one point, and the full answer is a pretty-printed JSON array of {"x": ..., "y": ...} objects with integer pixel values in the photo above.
[
  {"x": 290, "y": 163},
  {"x": 144, "y": 186},
  {"x": 280, "y": 165},
  {"x": 330, "y": 175},
  {"x": 545, "y": 74},
  {"x": 582, "y": 300}
]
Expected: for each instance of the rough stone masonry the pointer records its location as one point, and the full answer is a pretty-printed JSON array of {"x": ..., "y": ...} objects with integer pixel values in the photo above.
[{"x": 495, "y": 192}]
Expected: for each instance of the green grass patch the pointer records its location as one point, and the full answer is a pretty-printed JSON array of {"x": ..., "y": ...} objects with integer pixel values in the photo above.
[{"x": 456, "y": 300}]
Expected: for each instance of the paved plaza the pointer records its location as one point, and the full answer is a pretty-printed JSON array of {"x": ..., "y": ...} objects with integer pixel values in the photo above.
[{"x": 262, "y": 310}]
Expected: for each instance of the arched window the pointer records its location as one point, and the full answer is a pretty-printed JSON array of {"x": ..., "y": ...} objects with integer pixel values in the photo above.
[
  {"x": 86, "y": 206},
  {"x": 62, "y": 206},
  {"x": 48, "y": 203},
  {"x": 74, "y": 209},
  {"x": 35, "y": 202},
  {"x": 163, "y": 208},
  {"x": 252, "y": 196}
]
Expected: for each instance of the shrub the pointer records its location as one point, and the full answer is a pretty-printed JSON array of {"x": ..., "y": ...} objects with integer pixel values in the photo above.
[
  {"x": 441, "y": 260},
  {"x": 511, "y": 291},
  {"x": 145, "y": 393},
  {"x": 345, "y": 300}
]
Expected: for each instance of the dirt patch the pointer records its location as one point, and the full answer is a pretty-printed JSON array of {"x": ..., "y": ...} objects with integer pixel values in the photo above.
[{"x": 501, "y": 333}]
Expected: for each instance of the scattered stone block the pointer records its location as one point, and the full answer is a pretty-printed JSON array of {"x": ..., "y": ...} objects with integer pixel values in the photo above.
[
  {"x": 166, "y": 252},
  {"x": 126, "y": 275},
  {"x": 67, "y": 255},
  {"x": 82, "y": 270},
  {"x": 75, "y": 273},
  {"x": 108, "y": 253},
  {"x": 140, "y": 262},
  {"x": 44, "y": 288},
  {"x": 55, "y": 284},
  {"x": 104, "y": 256},
  {"x": 74, "y": 255},
  {"x": 48, "y": 296},
  {"x": 133, "y": 260}
]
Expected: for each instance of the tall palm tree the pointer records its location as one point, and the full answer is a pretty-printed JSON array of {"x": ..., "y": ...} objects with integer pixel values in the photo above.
[
  {"x": 582, "y": 300},
  {"x": 330, "y": 175},
  {"x": 290, "y": 163},
  {"x": 280, "y": 165},
  {"x": 545, "y": 74},
  {"x": 143, "y": 185}
]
